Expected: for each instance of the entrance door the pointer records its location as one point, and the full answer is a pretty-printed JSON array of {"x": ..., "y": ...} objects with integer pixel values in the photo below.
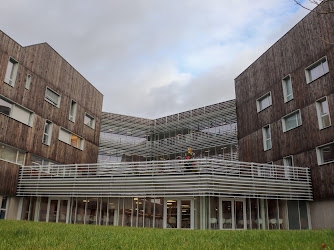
[
  {"x": 232, "y": 214},
  {"x": 58, "y": 210},
  {"x": 179, "y": 213}
]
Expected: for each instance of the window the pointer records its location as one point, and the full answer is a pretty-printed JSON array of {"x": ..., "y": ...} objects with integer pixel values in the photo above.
[
  {"x": 266, "y": 138},
  {"x": 52, "y": 97},
  {"x": 73, "y": 111},
  {"x": 15, "y": 111},
  {"x": 47, "y": 132},
  {"x": 37, "y": 160},
  {"x": 287, "y": 88},
  {"x": 89, "y": 121},
  {"x": 288, "y": 169},
  {"x": 325, "y": 153},
  {"x": 324, "y": 119},
  {"x": 263, "y": 102},
  {"x": 28, "y": 81},
  {"x": 71, "y": 139},
  {"x": 5, "y": 107},
  {"x": 291, "y": 121},
  {"x": 288, "y": 161},
  {"x": 316, "y": 70},
  {"x": 12, "y": 154},
  {"x": 11, "y": 71},
  {"x": 3, "y": 207}
]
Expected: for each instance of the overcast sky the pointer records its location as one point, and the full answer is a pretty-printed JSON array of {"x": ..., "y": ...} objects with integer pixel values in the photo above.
[{"x": 152, "y": 58}]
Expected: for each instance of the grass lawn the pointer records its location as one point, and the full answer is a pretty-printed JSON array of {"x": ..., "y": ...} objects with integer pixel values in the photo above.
[{"x": 41, "y": 235}]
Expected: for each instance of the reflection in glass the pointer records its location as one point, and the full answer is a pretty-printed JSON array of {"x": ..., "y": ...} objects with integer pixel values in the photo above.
[
  {"x": 5, "y": 107},
  {"x": 254, "y": 214},
  {"x": 273, "y": 214},
  {"x": 63, "y": 211},
  {"x": 43, "y": 209},
  {"x": 227, "y": 215},
  {"x": 91, "y": 211},
  {"x": 303, "y": 215},
  {"x": 53, "y": 210},
  {"x": 282, "y": 214},
  {"x": 185, "y": 214},
  {"x": 149, "y": 210},
  {"x": 81, "y": 207},
  {"x": 171, "y": 214},
  {"x": 213, "y": 223},
  {"x": 158, "y": 223},
  {"x": 112, "y": 209},
  {"x": 140, "y": 206},
  {"x": 239, "y": 214},
  {"x": 293, "y": 214}
]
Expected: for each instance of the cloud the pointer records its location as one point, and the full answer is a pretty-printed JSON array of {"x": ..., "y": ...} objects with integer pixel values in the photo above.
[{"x": 152, "y": 58}]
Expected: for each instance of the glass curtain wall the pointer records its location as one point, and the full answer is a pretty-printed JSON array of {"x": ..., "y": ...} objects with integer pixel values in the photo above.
[{"x": 269, "y": 214}]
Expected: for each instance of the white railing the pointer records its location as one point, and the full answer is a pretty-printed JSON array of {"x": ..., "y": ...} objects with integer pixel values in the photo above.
[{"x": 196, "y": 177}]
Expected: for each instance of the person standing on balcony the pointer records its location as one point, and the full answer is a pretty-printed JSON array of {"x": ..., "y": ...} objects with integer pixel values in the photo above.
[{"x": 189, "y": 155}]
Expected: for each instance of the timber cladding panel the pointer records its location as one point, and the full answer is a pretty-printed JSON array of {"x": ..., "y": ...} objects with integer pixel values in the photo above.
[
  {"x": 48, "y": 69},
  {"x": 9, "y": 174},
  {"x": 294, "y": 52}
]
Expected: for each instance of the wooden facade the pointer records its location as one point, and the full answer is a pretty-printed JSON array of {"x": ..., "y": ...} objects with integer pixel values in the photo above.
[
  {"x": 48, "y": 69},
  {"x": 8, "y": 177},
  {"x": 291, "y": 55}
]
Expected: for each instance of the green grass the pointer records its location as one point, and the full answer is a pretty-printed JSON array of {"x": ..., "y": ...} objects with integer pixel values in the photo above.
[{"x": 41, "y": 235}]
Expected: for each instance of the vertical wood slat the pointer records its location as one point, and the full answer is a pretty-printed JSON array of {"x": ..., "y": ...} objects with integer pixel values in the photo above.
[{"x": 9, "y": 173}]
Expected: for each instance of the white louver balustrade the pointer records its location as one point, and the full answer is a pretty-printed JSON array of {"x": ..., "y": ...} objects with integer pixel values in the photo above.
[{"x": 196, "y": 177}]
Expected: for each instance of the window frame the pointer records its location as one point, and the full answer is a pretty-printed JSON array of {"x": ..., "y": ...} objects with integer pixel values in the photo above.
[
  {"x": 70, "y": 117},
  {"x": 92, "y": 118},
  {"x": 28, "y": 82},
  {"x": 265, "y": 139},
  {"x": 318, "y": 108},
  {"x": 49, "y": 134},
  {"x": 31, "y": 117},
  {"x": 314, "y": 65},
  {"x": 289, "y": 171},
  {"x": 82, "y": 140},
  {"x": 284, "y": 160},
  {"x": 285, "y": 94},
  {"x": 11, "y": 81},
  {"x": 258, "y": 101},
  {"x": 298, "y": 111},
  {"x": 4, "y": 210},
  {"x": 49, "y": 101},
  {"x": 320, "y": 157},
  {"x": 18, "y": 152}
]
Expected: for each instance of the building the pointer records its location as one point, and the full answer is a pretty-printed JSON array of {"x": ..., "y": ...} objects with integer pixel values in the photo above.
[
  {"x": 209, "y": 131},
  {"x": 285, "y": 107},
  {"x": 49, "y": 114},
  {"x": 281, "y": 119},
  {"x": 143, "y": 179}
]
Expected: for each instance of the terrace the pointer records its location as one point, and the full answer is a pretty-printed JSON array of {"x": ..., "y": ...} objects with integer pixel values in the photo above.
[{"x": 177, "y": 178}]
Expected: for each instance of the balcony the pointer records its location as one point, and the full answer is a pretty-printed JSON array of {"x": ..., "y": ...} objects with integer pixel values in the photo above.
[{"x": 176, "y": 178}]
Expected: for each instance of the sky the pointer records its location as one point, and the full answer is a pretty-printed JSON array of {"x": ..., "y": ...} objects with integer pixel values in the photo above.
[{"x": 152, "y": 58}]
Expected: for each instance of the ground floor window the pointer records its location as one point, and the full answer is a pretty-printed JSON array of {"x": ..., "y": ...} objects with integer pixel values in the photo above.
[
  {"x": 3, "y": 207},
  {"x": 170, "y": 212}
]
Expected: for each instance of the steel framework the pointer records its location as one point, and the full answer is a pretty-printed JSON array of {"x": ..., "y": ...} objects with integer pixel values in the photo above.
[{"x": 209, "y": 131}]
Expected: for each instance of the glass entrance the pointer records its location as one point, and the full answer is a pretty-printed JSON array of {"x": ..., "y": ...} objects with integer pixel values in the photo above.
[
  {"x": 179, "y": 213},
  {"x": 232, "y": 214},
  {"x": 58, "y": 210},
  {"x": 185, "y": 214}
]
